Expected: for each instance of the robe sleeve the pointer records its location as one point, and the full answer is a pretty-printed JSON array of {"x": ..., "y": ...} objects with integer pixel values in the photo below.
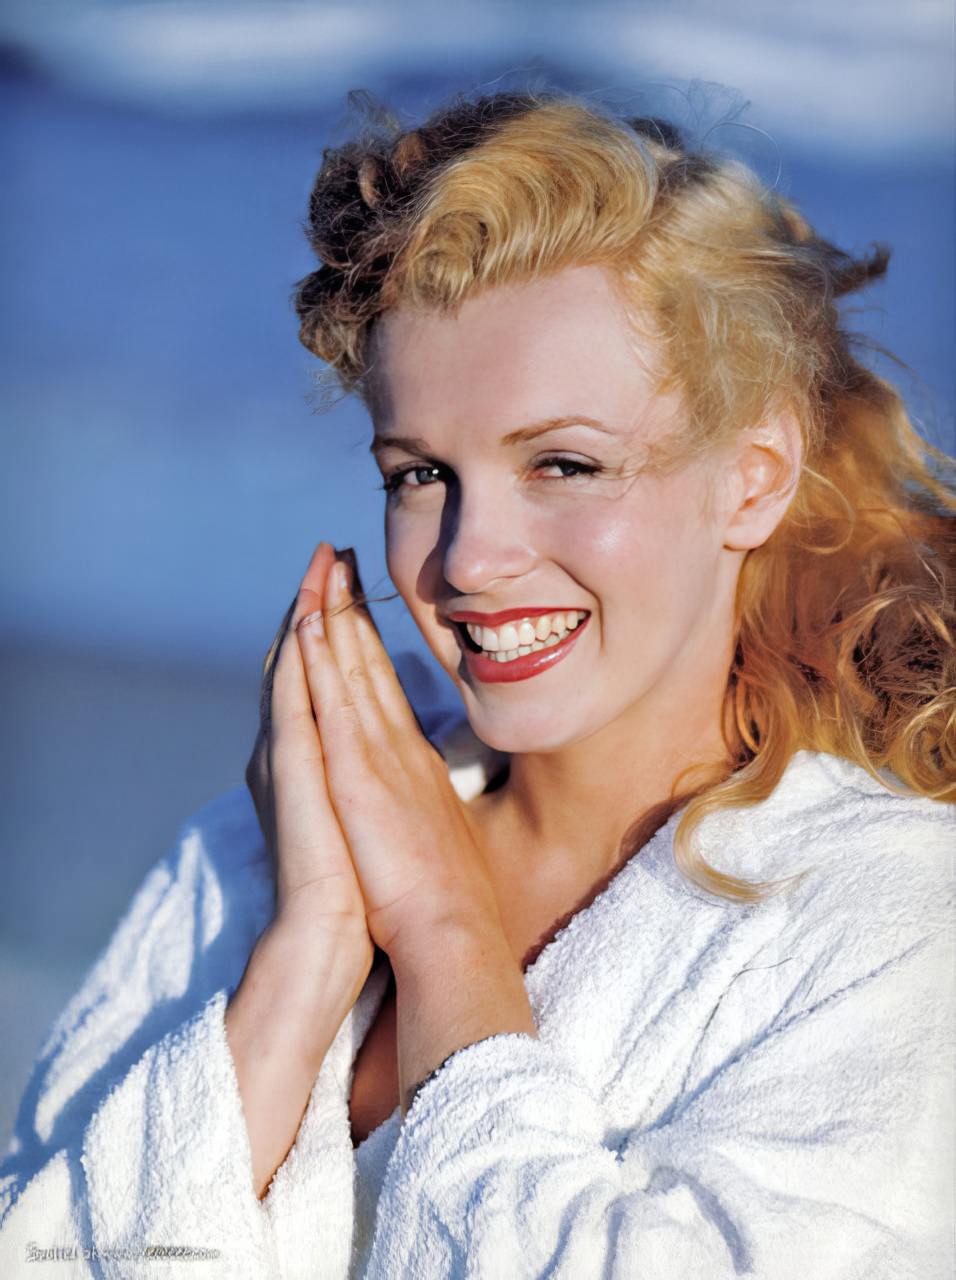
[
  {"x": 131, "y": 1135},
  {"x": 822, "y": 1148}
]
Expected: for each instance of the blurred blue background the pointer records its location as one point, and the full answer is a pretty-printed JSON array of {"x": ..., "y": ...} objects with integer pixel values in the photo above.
[{"x": 166, "y": 474}]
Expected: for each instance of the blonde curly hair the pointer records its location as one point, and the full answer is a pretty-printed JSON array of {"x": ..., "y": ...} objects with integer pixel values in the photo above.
[{"x": 845, "y": 615}]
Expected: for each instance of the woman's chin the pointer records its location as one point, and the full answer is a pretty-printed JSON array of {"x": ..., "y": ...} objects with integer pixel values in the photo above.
[
  {"x": 516, "y": 731},
  {"x": 502, "y": 734}
]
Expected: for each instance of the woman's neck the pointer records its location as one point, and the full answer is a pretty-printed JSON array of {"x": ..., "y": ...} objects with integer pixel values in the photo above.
[{"x": 584, "y": 809}]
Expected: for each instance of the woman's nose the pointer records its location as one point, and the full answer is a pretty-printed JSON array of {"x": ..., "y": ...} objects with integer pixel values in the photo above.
[{"x": 483, "y": 541}]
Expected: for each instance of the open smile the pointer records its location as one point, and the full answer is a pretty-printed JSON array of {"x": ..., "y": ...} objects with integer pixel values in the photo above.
[{"x": 506, "y": 667}]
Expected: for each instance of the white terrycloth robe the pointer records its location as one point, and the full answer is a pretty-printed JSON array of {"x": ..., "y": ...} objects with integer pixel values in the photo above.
[{"x": 715, "y": 1090}]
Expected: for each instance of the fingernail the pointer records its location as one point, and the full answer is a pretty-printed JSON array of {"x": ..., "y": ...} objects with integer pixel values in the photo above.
[
  {"x": 314, "y": 620},
  {"x": 317, "y": 548},
  {"x": 356, "y": 590},
  {"x": 340, "y": 581}
]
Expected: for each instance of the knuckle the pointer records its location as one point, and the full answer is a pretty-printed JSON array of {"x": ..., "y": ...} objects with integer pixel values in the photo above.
[
  {"x": 376, "y": 664},
  {"x": 349, "y": 714}
]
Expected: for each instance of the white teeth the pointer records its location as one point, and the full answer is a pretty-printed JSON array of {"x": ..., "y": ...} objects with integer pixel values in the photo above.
[
  {"x": 508, "y": 636},
  {"x": 525, "y": 635},
  {"x": 487, "y": 638},
  {"x": 508, "y": 655},
  {"x": 525, "y": 632}
]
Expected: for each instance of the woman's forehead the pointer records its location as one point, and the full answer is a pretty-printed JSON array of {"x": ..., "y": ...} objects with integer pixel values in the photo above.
[
  {"x": 552, "y": 347},
  {"x": 545, "y": 300}
]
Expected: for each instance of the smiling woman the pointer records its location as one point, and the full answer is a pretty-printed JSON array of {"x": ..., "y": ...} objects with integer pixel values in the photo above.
[{"x": 646, "y": 970}]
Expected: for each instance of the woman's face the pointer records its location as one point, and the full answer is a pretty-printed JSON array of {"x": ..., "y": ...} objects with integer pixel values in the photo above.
[{"x": 564, "y": 522}]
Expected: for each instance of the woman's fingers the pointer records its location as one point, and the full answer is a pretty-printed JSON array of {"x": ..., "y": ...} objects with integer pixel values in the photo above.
[
  {"x": 313, "y": 579},
  {"x": 391, "y": 695},
  {"x": 343, "y": 695},
  {"x": 367, "y": 684},
  {"x": 295, "y": 690},
  {"x": 384, "y": 679},
  {"x": 311, "y": 851}
]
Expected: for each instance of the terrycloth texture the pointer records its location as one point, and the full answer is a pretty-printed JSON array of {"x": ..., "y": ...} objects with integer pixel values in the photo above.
[{"x": 715, "y": 1090}]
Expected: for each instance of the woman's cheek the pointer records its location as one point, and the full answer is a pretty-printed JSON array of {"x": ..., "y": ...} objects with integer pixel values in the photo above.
[
  {"x": 401, "y": 570},
  {"x": 406, "y": 548},
  {"x": 415, "y": 568},
  {"x": 602, "y": 541}
]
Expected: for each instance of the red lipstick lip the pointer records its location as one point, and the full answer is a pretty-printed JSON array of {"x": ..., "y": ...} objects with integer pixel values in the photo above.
[
  {"x": 508, "y": 615},
  {"x": 490, "y": 671}
]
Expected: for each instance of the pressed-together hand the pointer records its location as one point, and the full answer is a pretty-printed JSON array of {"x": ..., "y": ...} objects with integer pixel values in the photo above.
[
  {"x": 411, "y": 840},
  {"x": 315, "y": 877},
  {"x": 311, "y": 962},
  {"x": 430, "y": 903}
]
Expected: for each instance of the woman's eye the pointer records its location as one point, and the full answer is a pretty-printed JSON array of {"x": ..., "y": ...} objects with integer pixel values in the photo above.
[
  {"x": 395, "y": 481},
  {"x": 577, "y": 468}
]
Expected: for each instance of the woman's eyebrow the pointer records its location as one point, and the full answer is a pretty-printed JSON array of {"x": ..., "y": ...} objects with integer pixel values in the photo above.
[{"x": 414, "y": 444}]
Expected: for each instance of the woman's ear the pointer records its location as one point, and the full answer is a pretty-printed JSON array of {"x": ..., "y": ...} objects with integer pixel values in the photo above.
[{"x": 762, "y": 479}]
